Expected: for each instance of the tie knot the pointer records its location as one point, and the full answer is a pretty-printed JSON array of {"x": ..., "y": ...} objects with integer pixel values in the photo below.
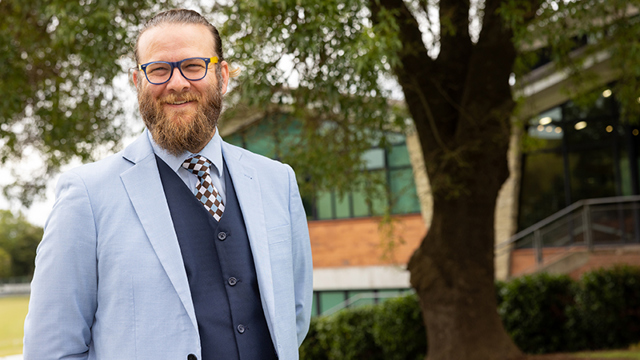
[{"x": 198, "y": 165}]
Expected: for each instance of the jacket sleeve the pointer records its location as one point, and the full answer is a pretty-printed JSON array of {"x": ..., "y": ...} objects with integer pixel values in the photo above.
[
  {"x": 64, "y": 287},
  {"x": 302, "y": 262}
]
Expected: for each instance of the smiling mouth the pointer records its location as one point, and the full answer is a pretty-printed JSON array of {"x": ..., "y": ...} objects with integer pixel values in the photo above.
[{"x": 178, "y": 102}]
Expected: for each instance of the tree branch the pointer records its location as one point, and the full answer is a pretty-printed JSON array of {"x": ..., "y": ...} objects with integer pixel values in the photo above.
[
  {"x": 413, "y": 55},
  {"x": 455, "y": 42}
]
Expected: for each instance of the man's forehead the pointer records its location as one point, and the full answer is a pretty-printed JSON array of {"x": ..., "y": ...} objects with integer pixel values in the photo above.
[{"x": 169, "y": 38}]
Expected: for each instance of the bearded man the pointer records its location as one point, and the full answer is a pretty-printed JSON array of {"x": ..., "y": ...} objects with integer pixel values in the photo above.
[{"x": 181, "y": 246}]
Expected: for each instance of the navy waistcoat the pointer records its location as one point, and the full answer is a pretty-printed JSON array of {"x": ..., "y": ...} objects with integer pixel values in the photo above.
[{"x": 222, "y": 276}]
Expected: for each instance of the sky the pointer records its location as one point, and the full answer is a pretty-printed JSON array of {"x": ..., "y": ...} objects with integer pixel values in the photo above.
[{"x": 39, "y": 211}]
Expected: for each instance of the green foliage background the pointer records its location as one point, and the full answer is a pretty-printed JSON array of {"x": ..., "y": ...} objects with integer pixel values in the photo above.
[
  {"x": 324, "y": 63},
  {"x": 18, "y": 242},
  {"x": 542, "y": 313},
  {"x": 57, "y": 97}
]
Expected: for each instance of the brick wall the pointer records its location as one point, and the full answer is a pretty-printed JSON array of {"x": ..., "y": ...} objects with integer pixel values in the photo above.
[{"x": 361, "y": 242}]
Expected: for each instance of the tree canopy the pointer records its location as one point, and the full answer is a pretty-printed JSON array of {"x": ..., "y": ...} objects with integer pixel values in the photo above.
[
  {"x": 332, "y": 64},
  {"x": 58, "y": 100},
  {"x": 455, "y": 61}
]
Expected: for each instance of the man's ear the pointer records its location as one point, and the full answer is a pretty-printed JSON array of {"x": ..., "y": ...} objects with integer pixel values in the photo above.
[
  {"x": 224, "y": 69},
  {"x": 134, "y": 78}
]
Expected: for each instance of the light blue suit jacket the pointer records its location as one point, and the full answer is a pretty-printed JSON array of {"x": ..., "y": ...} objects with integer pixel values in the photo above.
[{"x": 110, "y": 282}]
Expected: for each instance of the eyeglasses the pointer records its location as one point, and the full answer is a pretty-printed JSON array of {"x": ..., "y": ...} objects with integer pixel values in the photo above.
[{"x": 193, "y": 69}]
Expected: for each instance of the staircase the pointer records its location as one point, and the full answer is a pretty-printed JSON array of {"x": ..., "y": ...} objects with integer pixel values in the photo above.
[{"x": 588, "y": 234}]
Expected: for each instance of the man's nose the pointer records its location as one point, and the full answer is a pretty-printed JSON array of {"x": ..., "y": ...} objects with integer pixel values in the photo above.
[{"x": 177, "y": 82}]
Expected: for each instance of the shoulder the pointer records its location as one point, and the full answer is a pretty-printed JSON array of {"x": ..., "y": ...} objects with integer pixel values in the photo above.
[
  {"x": 101, "y": 175},
  {"x": 109, "y": 168},
  {"x": 233, "y": 152},
  {"x": 101, "y": 169}
]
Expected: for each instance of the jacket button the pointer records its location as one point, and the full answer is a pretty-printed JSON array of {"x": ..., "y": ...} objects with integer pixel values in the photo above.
[
  {"x": 192, "y": 357},
  {"x": 241, "y": 329},
  {"x": 222, "y": 235},
  {"x": 232, "y": 281}
]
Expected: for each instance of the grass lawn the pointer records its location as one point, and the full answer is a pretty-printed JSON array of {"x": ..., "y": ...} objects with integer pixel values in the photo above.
[
  {"x": 613, "y": 354},
  {"x": 13, "y": 310}
]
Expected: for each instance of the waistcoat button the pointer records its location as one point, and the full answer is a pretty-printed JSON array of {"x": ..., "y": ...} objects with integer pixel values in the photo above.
[
  {"x": 222, "y": 235},
  {"x": 241, "y": 329},
  {"x": 232, "y": 281}
]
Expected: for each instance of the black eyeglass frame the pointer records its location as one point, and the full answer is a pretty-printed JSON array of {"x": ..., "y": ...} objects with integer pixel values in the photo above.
[{"x": 177, "y": 64}]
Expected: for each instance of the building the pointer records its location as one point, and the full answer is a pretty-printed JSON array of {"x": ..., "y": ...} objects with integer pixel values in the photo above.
[
  {"x": 575, "y": 182},
  {"x": 356, "y": 260},
  {"x": 560, "y": 156}
]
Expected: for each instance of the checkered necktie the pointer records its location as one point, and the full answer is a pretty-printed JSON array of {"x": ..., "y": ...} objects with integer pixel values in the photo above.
[{"x": 205, "y": 191}]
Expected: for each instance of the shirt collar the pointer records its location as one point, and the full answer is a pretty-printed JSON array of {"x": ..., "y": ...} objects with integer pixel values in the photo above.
[{"x": 212, "y": 151}]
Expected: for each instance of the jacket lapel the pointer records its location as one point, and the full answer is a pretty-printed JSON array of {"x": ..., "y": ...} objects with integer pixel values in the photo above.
[
  {"x": 245, "y": 180},
  {"x": 145, "y": 191}
]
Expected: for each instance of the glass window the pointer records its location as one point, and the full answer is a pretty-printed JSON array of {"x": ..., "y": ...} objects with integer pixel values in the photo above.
[
  {"x": 379, "y": 197},
  {"x": 602, "y": 107},
  {"x": 384, "y": 295},
  {"x": 314, "y": 306},
  {"x": 596, "y": 164},
  {"x": 330, "y": 299},
  {"x": 279, "y": 134},
  {"x": 360, "y": 206},
  {"x": 545, "y": 131},
  {"x": 374, "y": 158},
  {"x": 625, "y": 176},
  {"x": 542, "y": 187},
  {"x": 343, "y": 210},
  {"x": 399, "y": 156},
  {"x": 592, "y": 174},
  {"x": 403, "y": 191},
  {"x": 324, "y": 207},
  {"x": 360, "y": 297},
  {"x": 591, "y": 132}
]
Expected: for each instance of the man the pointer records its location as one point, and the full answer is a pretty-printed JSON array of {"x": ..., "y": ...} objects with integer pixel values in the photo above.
[{"x": 133, "y": 265}]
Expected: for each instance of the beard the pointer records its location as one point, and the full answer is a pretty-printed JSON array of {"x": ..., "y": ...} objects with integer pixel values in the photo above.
[{"x": 185, "y": 130}]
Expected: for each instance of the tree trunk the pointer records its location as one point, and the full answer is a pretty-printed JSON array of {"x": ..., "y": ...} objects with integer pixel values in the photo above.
[
  {"x": 461, "y": 104},
  {"x": 453, "y": 269}
]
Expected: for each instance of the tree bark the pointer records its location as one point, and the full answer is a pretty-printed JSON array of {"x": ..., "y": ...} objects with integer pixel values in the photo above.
[{"x": 461, "y": 104}]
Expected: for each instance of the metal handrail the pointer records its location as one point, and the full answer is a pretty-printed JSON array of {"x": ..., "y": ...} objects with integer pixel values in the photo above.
[{"x": 568, "y": 210}]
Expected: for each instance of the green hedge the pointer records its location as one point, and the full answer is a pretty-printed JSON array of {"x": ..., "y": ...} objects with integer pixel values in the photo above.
[
  {"x": 389, "y": 331},
  {"x": 607, "y": 307},
  {"x": 534, "y": 312},
  {"x": 542, "y": 313}
]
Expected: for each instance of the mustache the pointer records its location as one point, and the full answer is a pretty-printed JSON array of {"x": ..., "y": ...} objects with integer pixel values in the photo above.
[{"x": 173, "y": 98}]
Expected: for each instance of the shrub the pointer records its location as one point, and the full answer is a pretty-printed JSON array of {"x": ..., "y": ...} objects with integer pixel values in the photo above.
[
  {"x": 316, "y": 345},
  {"x": 352, "y": 336},
  {"x": 533, "y": 311},
  {"x": 542, "y": 313},
  {"x": 389, "y": 331},
  {"x": 608, "y": 307},
  {"x": 399, "y": 329}
]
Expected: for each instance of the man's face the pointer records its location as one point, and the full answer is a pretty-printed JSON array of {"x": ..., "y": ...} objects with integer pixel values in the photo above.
[{"x": 181, "y": 114}]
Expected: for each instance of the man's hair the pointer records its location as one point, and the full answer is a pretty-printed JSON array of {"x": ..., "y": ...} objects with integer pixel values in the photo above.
[{"x": 181, "y": 16}]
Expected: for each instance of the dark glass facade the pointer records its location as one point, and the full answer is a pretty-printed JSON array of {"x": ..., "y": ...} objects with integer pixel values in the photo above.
[{"x": 573, "y": 152}]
